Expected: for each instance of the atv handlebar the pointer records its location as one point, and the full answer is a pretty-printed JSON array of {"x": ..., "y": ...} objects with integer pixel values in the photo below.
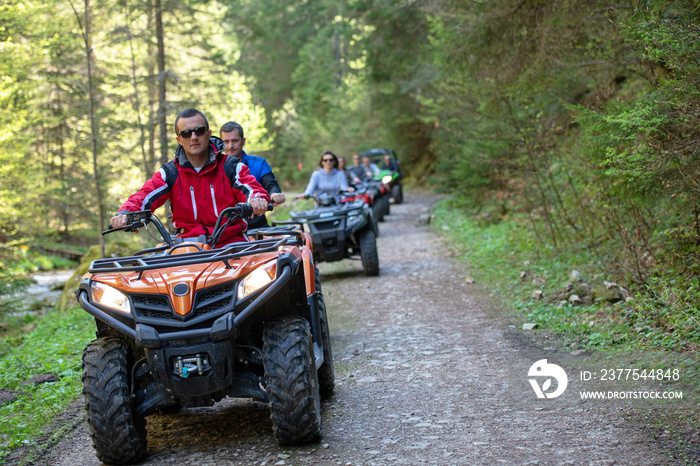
[
  {"x": 136, "y": 220},
  {"x": 140, "y": 219},
  {"x": 240, "y": 210}
]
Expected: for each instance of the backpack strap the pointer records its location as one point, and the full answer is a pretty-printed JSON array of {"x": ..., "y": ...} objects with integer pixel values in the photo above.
[
  {"x": 171, "y": 174},
  {"x": 230, "y": 168}
]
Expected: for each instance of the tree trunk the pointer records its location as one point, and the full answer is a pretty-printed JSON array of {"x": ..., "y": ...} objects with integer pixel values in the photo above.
[
  {"x": 162, "y": 105},
  {"x": 93, "y": 131},
  {"x": 147, "y": 168}
]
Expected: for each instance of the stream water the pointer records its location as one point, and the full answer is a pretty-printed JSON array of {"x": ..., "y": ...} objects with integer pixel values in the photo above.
[{"x": 44, "y": 293}]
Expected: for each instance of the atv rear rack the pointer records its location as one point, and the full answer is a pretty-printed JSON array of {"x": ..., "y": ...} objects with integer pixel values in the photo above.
[{"x": 168, "y": 259}]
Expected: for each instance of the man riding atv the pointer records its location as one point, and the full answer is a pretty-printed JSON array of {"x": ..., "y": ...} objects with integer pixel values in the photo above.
[
  {"x": 199, "y": 182},
  {"x": 205, "y": 315}
]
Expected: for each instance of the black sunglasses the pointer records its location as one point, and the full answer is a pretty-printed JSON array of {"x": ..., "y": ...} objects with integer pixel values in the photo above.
[
  {"x": 326, "y": 160},
  {"x": 187, "y": 133}
]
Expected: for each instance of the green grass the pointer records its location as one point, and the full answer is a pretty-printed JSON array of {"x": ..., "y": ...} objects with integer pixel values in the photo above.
[
  {"x": 291, "y": 205},
  {"x": 508, "y": 257},
  {"x": 54, "y": 346}
]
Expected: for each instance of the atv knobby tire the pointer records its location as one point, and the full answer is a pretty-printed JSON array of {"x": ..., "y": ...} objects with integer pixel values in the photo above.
[
  {"x": 375, "y": 225},
  {"x": 291, "y": 381},
  {"x": 368, "y": 253},
  {"x": 378, "y": 209},
  {"x": 397, "y": 193},
  {"x": 385, "y": 203},
  {"x": 117, "y": 435},
  {"x": 326, "y": 374}
]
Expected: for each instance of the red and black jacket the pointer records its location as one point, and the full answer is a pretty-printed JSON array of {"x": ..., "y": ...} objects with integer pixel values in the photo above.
[{"x": 197, "y": 198}]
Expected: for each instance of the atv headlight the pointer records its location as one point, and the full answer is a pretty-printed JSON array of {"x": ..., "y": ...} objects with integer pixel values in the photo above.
[
  {"x": 386, "y": 179},
  {"x": 353, "y": 220},
  {"x": 109, "y": 297},
  {"x": 257, "y": 279}
]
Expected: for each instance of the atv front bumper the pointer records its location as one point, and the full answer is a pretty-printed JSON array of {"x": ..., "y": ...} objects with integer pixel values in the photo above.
[{"x": 223, "y": 328}]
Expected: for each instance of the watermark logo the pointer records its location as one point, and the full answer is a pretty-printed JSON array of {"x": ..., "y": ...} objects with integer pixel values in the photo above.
[{"x": 551, "y": 371}]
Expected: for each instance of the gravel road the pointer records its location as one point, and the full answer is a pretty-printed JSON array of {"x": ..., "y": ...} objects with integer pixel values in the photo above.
[{"x": 427, "y": 371}]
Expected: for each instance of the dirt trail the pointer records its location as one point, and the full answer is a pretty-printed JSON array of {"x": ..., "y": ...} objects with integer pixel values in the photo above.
[{"x": 425, "y": 374}]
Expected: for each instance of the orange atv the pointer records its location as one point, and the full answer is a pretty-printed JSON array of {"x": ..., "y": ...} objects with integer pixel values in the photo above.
[{"x": 185, "y": 325}]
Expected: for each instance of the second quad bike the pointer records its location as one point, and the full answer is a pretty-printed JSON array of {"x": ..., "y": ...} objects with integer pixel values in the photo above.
[
  {"x": 391, "y": 177},
  {"x": 341, "y": 230},
  {"x": 185, "y": 325},
  {"x": 373, "y": 193}
]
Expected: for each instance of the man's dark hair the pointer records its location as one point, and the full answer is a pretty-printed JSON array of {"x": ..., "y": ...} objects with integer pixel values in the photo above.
[
  {"x": 231, "y": 126},
  {"x": 190, "y": 112}
]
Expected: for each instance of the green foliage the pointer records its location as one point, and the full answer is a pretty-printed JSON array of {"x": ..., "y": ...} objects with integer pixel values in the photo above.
[
  {"x": 46, "y": 152},
  {"x": 575, "y": 119},
  {"x": 54, "y": 347},
  {"x": 663, "y": 314},
  {"x": 338, "y": 76}
]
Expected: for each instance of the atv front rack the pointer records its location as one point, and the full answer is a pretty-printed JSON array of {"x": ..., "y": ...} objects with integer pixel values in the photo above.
[{"x": 168, "y": 259}]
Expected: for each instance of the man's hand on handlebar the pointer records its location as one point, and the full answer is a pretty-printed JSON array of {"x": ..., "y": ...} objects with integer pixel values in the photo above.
[
  {"x": 277, "y": 198},
  {"x": 118, "y": 221},
  {"x": 259, "y": 205}
]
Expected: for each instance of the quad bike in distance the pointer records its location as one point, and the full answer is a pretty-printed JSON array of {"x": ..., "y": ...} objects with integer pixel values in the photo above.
[
  {"x": 390, "y": 177},
  {"x": 341, "y": 230},
  {"x": 186, "y": 325},
  {"x": 375, "y": 194}
]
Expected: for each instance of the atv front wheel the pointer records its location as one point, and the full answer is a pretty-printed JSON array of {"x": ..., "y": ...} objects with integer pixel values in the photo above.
[
  {"x": 375, "y": 225},
  {"x": 378, "y": 209},
  {"x": 118, "y": 436},
  {"x": 385, "y": 203},
  {"x": 368, "y": 253},
  {"x": 292, "y": 382},
  {"x": 397, "y": 193},
  {"x": 326, "y": 375}
]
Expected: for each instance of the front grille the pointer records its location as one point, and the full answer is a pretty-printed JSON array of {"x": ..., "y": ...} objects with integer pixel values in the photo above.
[
  {"x": 207, "y": 301},
  {"x": 156, "y": 306},
  {"x": 214, "y": 300},
  {"x": 325, "y": 226}
]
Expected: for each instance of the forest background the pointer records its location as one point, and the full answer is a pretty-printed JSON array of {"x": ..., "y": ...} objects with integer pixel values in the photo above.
[
  {"x": 573, "y": 122},
  {"x": 563, "y": 136}
]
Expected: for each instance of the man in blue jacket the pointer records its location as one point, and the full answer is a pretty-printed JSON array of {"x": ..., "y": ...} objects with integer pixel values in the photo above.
[{"x": 232, "y": 135}]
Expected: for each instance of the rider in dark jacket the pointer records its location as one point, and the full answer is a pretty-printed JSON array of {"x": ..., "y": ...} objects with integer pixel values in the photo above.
[{"x": 232, "y": 135}]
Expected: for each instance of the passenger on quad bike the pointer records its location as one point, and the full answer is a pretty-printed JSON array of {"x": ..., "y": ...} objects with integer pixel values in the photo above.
[
  {"x": 232, "y": 135},
  {"x": 200, "y": 182},
  {"x": 389, "y": 164},
  {"x": 390, "y": 174},
  {"x": 371, "y": 169},
  {"x": 350, "y": 177},
  {"x": 357, "y": 169},
  {"x": 372, "y": 194},
  {"x": 185, "y": 325},
  {"x": 327, "y": 180}
]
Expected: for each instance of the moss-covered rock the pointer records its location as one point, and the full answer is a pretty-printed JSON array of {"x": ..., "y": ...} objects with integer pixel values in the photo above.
[
  {"x": 607, "y": 294},
  {"x": 115, "y": 249}
]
